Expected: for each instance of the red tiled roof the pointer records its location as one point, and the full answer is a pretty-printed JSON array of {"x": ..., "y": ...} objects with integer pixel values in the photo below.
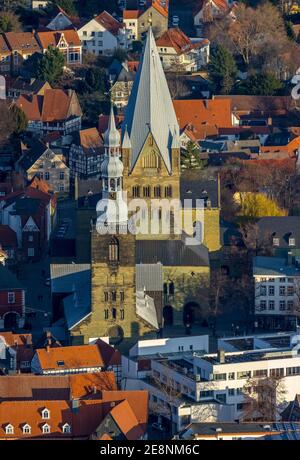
[
  {"x": 7, "y": 237},
  {"x": 54, "y": 105},
  {"x": 60, "y": 387},
  {"x": 110, "y": 355},
  {"x": 109, "y": 22},
  {"x": 52, "y": 38},
  {"x": 22, "y": 41},
  {"x": 126, "y": 420},
  {"x": 72, "y": 357},
  {"x": 161, "y": 9},
  {"x": 203, "y": 116},
  {"x": 4, "y": 49},
  {"x": 132, "y": 14}
]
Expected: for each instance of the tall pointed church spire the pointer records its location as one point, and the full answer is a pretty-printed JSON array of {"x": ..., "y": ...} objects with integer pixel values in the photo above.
[
  {"x": 150, "y": 106},
  {"x": 112, "y": 136}
]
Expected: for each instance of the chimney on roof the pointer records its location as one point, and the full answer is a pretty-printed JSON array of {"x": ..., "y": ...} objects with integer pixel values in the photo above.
[
  {"x": 221, "y": 356},
  {"x": 75, "y": 405},
  {"x": 206, "y": 103}
]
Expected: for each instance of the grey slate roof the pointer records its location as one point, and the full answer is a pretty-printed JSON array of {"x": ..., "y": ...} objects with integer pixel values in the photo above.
[
  {"x": 200, "y": 189},
  {"x": 32, "y": 155},
  {"x": 276, "y": 266},
  {"x": 282, "y": 228},
  {"x": 150, "y": 107},
  {"x": 171, "y": 253},
  {"x": 149, "y": 276}
]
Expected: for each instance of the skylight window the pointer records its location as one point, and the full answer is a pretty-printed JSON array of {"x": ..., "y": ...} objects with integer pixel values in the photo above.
[{"x": 60, "y": 363}]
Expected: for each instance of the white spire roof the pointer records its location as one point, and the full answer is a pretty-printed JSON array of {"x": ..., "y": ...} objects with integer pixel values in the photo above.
[
  {"x": 150, "y": 108},
  {"x": 112, "y": 136},
  {"x": 126, "y": 140}
]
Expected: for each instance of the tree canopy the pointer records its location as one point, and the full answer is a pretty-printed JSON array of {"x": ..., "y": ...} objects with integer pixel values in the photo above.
[
  {"x": 50, "y": 68},
  {"x": 222, "y": 70},
  {"x": 9, "y": 22}
]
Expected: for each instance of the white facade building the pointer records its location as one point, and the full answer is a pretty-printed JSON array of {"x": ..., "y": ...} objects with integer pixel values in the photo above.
[{"x": 103, "y": 35}]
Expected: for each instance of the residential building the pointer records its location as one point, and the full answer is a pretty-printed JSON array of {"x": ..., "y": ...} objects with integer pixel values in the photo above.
[
  {"x": 178, "y": 52},
  {"x": 8, "y": 243},
  {"x": 122, "y": 76},
  {"x": 103, "y": 35},
  {"x": 22, "y": 45},
  {"x": 67, "y": 41},
  {"x": 112, "y": 414},
  {"x": 207, "y": 10},
  {"x": 86, "y": 154},
  {"x": 277, "y": 284},
  {"x": 60, "y": 20},
  {"x": 90, "y": 358},
  {"x": 40, "y": 161},
  {"x": 19, "y": 353},
  {"x": 55, "y": 110},
  {"x": 216, "y": 385},
  {"x": 5, "y": 56},
  {"x": 279, "y": 234},
  {"x": 12, "y": 300},
  {"x": 240, "y": 432},
  {"x": 155, "y": 12},
  {"x": 19, "y": 86},
  {"x": 29, "y": 213}
]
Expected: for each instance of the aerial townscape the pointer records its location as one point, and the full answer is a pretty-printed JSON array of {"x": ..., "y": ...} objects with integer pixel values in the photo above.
[{"x": 150, "y": 220}]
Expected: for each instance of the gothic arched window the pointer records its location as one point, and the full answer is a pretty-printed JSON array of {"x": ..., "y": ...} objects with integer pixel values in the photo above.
[{"x": 113, "y": 250}]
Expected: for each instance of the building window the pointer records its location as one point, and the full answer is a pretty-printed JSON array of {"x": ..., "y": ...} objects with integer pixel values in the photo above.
[
  {"x": 66, "y": 428},
  {"x": 206, "y": 394},
  {"x": 290, "y": 290},
  {"x": 30, "y": 252},
  {"x": 136, "y": 191},
  {"x": 168, "y": 191},
  {"x": 292, "y": 242},
  {"x": 30, "y": 238},
  {"x": 231, "y": 376},
  {"x": 244, "y": 375},
  {"x": 113, "y": 250},
  {"x": 275, "y": 241},
  {"x": 290, "y": 305},
  {"x": 157, "y": 191},
  {"x": 46, "y": 428},
  {"x": 45, "y": 414},
  {"x": 9, "y": 429},
  {"x": 122, "y": 314},
  {"x": 263, "y": 290},
  {"x": 47, "y": 175},
  {"x": 219, "y": 376},
  {"x": 271, "y": 290},
  {"x": 282, "y": 305},
  {"x": 260, "y": 373},
  {"x": 61, "y": 187},
  {"x": 26, "y": 429},
  {"x": 271, "y": 305},
  {"x": 114, "y": 313},
  {"x": 263, "y": 305},
  {"x": 106, "y": 314},
  {"x": 61, "y": 175},
  {"x": 282, "y": 290},
  {"x": 231, "y": 392},
  {"x": 122, "y": 296},
  {"x": 279, "y": 372},
  {"x": 113, "y": 295},
  {"x": 292, "y": 370},
  {"x": 281, "y": 280},
  {"x": 147, "y": 191},
  {"x": 11, "y": 298},
  {"x": 105, "y": 296}
]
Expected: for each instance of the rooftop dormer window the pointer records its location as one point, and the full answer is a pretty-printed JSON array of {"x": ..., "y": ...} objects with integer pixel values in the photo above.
[
  {"x": 46, "y": 428},
  {"x": 292, "y": 241},
  {"x": 66, "y": 428},
  {"x": 275, "y": 241},
  {"x": 9, "y": 429},
  {"x": 26, "y": 429},
  {"x": 45, "y": 414}
]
